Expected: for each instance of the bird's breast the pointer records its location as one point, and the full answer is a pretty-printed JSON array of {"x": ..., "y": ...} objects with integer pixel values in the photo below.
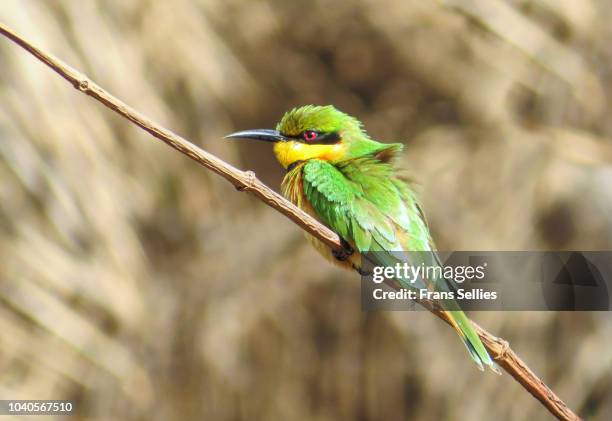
[{"x": 293, "y": 190}]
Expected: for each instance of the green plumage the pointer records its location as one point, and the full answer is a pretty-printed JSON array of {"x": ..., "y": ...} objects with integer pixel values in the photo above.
[
  {"x": 349, "y": 181},
  {"x": 362, "y": 198}
]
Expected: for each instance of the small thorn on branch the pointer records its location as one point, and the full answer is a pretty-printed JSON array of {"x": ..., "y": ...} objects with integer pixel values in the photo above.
[
  {"x": 248, "y": 182},
  {"x": 504, "y": 347},
  {"x": 82, "y": 85}
]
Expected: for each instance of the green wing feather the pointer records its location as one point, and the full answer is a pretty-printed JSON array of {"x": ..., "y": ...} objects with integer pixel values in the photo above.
[{"x": 367, "y": 205}]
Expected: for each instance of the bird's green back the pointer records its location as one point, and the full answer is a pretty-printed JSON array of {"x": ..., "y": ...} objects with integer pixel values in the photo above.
[{"x": 364, "y": 201}]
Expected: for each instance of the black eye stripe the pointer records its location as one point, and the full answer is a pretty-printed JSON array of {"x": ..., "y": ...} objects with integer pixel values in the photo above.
[
  {"x": 328, "y": 138},
  {"x": 322, "y": 138}
]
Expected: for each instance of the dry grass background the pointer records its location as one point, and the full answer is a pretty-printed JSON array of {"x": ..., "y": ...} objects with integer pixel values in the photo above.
[{"x": 143, "y": 287}]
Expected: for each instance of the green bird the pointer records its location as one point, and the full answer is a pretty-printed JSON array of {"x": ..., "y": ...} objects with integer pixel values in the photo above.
[{"x": 350, "y": 182}]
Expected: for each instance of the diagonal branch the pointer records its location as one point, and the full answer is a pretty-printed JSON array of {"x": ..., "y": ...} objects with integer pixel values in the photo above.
[{"x": 247, "y": 181}]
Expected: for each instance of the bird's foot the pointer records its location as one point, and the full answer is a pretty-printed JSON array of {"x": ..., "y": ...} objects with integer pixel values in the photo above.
[{"x": 344, "y": 253}]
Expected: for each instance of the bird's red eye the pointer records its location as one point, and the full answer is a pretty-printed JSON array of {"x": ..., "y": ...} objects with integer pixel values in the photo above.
[{"x": 309, "y": 135}]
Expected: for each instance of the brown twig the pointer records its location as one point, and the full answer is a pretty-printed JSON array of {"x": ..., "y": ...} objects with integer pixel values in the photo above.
[{"x": 247, "y": 181}]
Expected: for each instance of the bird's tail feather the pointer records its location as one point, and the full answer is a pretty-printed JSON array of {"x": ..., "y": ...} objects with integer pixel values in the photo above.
[
  {"x": 472, "y": 341},
  {"x": 457, "y": 317}
]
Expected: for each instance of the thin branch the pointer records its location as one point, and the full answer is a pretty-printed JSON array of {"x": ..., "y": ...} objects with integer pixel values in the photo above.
[{"x": 247, "y": 181}]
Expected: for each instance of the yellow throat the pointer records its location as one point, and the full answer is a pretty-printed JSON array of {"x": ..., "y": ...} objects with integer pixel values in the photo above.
[{"x": 288, "y": 152}]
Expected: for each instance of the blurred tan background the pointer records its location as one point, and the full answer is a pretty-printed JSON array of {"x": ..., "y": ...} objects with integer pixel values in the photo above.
[{"x": 143, "y": 287}]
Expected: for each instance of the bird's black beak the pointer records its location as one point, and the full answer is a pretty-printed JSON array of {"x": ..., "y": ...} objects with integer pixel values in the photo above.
[{"x": 259, "y": 134}]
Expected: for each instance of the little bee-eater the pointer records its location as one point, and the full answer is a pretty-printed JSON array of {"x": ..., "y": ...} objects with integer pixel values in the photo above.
[{"x": 349, "y": 182}]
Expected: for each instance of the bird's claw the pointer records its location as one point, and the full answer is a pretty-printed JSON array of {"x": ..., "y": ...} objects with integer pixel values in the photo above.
[{"x": 344, "y": 253}]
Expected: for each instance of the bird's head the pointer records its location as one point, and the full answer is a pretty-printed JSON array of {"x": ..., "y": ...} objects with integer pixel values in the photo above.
[{"x": 312, "y": 132}]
